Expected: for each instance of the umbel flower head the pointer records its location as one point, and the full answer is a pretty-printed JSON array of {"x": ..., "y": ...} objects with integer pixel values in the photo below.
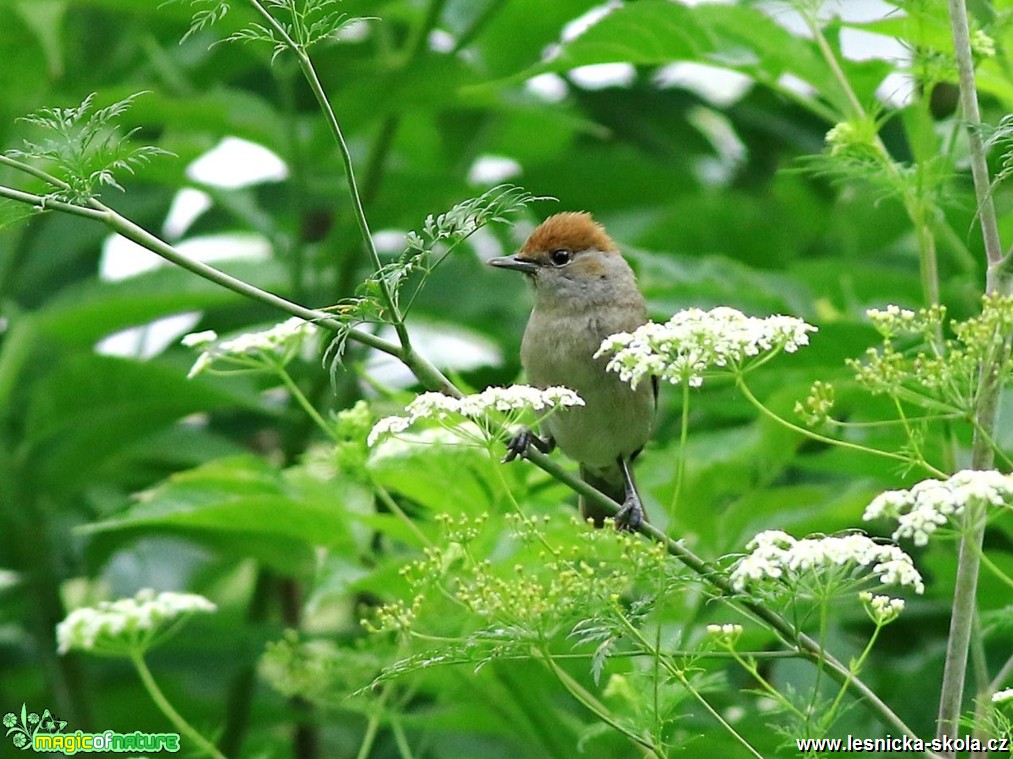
[
  {"x": 253, "y": 350},
  {"x": 882, "y": 610},
  {"x": 775, "y": 558},
  {"x": 694, "y": 342},
  {"x": 454, "y": 414},
  {"x": 128, "y": 625},
  {"x": 930, "y": 504}
]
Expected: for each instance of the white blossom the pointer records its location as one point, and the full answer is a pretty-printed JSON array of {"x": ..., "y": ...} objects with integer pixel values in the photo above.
[
  {"x": 281, "y": 341},
  {"x": 726, "y": 633},
  {"x": 451, "y": 412},
  {"x": 199, "y": 339},
  {"x": 1001, "y": 697},
  {"x": 120, "y": 626},
  {"x": 881, "y": 609},
  {"x": 775, "y": 555},
  {"x": 930, "y": 504},
  {"x": 695, "y": 341}
]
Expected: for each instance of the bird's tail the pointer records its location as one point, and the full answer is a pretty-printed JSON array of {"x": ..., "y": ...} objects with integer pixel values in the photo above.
[{"x": 610, "y": 482}]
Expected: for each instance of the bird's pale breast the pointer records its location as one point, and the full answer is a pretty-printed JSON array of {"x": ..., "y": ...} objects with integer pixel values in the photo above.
[{"x": 558, "y": 349}]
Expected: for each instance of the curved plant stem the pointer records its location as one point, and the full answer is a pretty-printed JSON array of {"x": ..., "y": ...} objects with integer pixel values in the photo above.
[
  {"x": 310, "y": 74},
  {"x": 184, "y": 727},
  {"x": 676, "y": 672},
  {"x": 599, "y": 709},
  {"x": 829, "y": 440},
  {"x": 304, "y": 404},
  {"x": 683, "y": 438}
]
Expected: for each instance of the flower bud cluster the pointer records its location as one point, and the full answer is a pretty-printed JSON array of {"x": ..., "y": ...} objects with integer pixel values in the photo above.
[{"x": 882, "y": 610}]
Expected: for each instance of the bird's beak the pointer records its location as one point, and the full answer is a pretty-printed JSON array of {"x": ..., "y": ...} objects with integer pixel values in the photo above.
[{"x": 514, "y": 262}]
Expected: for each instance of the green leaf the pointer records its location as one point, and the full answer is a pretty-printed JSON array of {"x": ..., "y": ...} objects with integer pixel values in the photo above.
[
  {"x": 243, "y": 506},
  {"x": 441, "y": 477},
  {"x": 91, "y": 407}
]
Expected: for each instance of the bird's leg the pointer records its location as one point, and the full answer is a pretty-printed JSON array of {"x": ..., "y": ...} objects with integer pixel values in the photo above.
[
  {"x": 526, "y": 439},
  {"x": 631, "y": 515}
]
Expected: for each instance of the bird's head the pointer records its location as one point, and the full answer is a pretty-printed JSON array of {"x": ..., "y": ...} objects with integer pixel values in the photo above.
[{"x": 570, "y": 257}]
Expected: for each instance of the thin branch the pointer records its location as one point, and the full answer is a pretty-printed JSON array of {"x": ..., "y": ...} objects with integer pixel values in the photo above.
[
  {"x": 976, "y": 146},
  {"x": 310, "y": 74},
  {"x": 50, "y": 204}
]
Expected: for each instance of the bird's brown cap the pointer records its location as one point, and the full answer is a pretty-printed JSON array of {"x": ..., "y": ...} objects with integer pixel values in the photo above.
[{"x": 570, "y": 230}]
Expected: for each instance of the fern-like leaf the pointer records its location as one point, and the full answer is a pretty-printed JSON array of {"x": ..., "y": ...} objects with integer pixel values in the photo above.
[{"x": 86, "y": 147}]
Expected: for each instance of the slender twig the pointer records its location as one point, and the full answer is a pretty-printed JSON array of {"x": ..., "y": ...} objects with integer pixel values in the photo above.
[
  {"x": 676, "y": 672},
  {"x": 43, "y": 203},
  {"x": 599, "y": 709},
  {"x": 913, "y": 205},
  {"x": 310, "y": 74},
  {"x": 829, "y": 440}
]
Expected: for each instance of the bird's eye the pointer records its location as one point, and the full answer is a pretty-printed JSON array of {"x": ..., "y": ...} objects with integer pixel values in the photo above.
[{"x": 560, "y": 257}]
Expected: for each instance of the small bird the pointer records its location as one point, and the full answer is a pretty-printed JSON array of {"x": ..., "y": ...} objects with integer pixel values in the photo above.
[{"x": 584, "y": 292}]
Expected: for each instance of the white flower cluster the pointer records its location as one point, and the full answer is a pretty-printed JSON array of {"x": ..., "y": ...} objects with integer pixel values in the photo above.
[
  {"x": 882, "y": 609},
  {"x": 513, "y": 401},
  {"x": 776, "y": 555},
  {"x": 726, "y": 634},
  {"x": 123, "y": 625},
  {"x": 280, "y": 340},
  {"x": 931, "y": 503},
  {"x": 1001, "y": 697},
  {"x": 693, "y": 341},
  {"x": 893, "y": 321}
]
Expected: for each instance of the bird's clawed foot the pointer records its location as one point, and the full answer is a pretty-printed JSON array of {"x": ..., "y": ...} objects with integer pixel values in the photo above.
[
  {"x": 631, "y": 514},
  {"x": 524, "y": 440}
]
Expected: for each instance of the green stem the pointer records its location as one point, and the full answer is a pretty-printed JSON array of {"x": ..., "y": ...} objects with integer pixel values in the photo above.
[
  {"x": 601, "y": 711},
  {"x": 678, "y": 674},
  {"x": 428, "y": 374},
  {"x": 854, "y": 669},
  {"x": 304, "y": 403},
  {"x": 683, "y": 440},
  {"x": 184, "y": 727},
  {"x": 994, "y": 569},
  {"x": 829, "y": 440},
  {"x": 913, "y": 205},
  {"x": 373, "y": 725},
  {"x": 392, "y": 505},
  {"x": 766, "y": 687},
  {"x": 1000, "y": 678},
  {"x": 310, "y": 74},
  {"x": 48, "y": 204},
  {"x": 987, "y": 403}
]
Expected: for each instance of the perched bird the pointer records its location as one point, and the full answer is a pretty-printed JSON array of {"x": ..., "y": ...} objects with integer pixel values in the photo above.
[{"x": 584, "y": 292}]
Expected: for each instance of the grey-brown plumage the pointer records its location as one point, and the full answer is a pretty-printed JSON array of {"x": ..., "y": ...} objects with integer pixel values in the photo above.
[{"x": 584, "y": 292}]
